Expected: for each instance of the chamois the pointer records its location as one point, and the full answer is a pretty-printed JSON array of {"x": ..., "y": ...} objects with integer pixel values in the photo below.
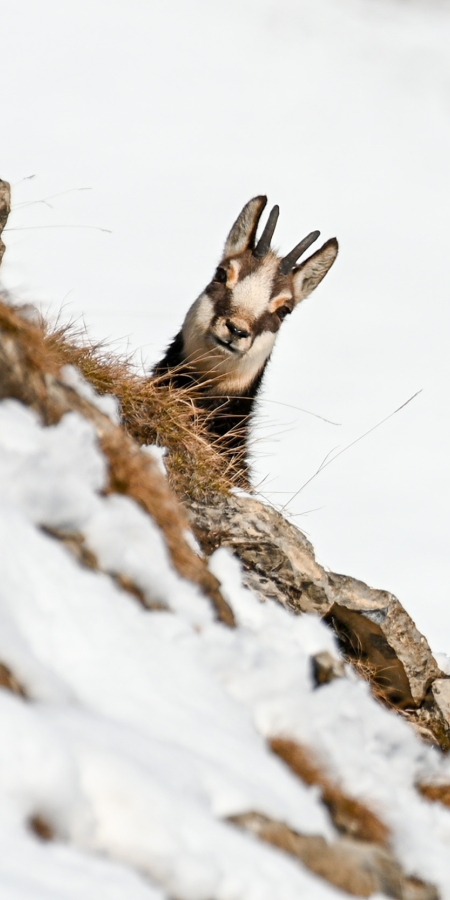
[{"x": 228, "y": 334}]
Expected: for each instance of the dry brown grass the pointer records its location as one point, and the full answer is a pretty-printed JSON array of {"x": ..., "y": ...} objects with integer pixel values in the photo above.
[
  {"x": 41, "y": 828},
  {"x": 153, "y": 411},
  {"x": 356, "y": 867},
  {"x": 349, "y": 815},
  {"x": 437, "y": 793},
  {"x": 31, "y": 357},
  {"x": 369, "y": 672},
  {"x": 75, "y": 543},
  {"x": 360, "y": 868},
  {"x": 9, "y": 681}
]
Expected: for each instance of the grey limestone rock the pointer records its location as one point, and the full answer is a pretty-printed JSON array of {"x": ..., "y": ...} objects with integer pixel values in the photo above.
[{"x": 279, "y": 564}]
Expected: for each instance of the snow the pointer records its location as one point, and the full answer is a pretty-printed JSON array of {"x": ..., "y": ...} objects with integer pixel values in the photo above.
[
  {"x": 110, "y": 751},
  {"x": 143, "y": 730},
  {"x": 443, "y": 662},
  {"x": 158, "y": 454},
  {"x": 107, "y": 404}
]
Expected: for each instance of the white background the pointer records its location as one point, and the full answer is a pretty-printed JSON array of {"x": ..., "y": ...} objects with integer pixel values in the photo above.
[{"x": 174, "y": 114}]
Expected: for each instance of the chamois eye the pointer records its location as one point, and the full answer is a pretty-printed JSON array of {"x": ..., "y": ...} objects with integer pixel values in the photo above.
[
  {"x": 282, "y": 312},
  {"x": 221, "y": 275}
]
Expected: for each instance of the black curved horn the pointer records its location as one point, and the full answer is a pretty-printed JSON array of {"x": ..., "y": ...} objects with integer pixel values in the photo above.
[
  {"x": 288, "y": 262},
  {"x": 263, "y": 246}
]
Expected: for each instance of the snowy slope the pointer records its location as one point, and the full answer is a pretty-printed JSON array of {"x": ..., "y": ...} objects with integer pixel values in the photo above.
[
  {"x": 143, "y": 731},
  {"x": 130, "y": 747}
]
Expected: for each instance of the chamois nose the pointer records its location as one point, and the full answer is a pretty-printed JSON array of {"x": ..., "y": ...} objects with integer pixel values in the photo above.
[{"x": 236, "y": 332}]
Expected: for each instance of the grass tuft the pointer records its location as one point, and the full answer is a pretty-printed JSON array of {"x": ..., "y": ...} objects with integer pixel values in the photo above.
[
  {"x": 31, "y": 357},
  {"x": 153, "y": 412}
]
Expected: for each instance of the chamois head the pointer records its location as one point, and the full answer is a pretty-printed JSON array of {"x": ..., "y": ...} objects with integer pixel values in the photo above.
[{"x": 230, "y": 330}]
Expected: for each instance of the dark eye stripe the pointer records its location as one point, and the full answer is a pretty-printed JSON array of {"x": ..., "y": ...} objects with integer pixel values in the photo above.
[{"x": 266, "y": 322}]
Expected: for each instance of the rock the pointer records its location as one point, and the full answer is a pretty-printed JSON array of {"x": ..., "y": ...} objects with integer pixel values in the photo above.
[
  {"x": 5, "y": 209},
  {"x": 432, "y": 719},
  {"x": 326, "y": 668},
  {"x": 441, "y": 696},
  {"x": 373, "y": 625},
  {"x": 279, "y": 564},
  {"x": 278, "y": 560}
]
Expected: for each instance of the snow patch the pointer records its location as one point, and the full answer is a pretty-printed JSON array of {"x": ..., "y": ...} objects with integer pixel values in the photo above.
[
  {"x": 106, "y": 403},
  {"x": 158, "y": 454}
]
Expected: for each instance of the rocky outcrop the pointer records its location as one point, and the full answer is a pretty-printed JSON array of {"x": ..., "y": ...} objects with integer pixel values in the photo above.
[{"x": 373, "y": 628}]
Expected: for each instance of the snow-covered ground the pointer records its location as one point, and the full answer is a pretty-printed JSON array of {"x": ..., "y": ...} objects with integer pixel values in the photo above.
[
  {"x": 143, "y": 731},
  {"x": 173, "y": 114}
]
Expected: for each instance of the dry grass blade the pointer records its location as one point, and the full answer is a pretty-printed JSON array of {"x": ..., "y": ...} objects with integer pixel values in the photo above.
[{"x": 327, "y": 462}]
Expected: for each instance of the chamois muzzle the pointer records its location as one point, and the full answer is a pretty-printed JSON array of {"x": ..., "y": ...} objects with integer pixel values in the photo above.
[
  {"x": 288, "y": 262},
  {"x": 235, "y": 331}
]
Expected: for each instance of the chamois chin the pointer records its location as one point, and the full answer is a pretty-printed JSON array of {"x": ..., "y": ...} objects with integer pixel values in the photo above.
[{"x": 229, "y": 332}]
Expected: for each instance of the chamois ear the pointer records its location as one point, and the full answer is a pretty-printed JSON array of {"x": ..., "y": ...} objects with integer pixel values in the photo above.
[
  {"x": 309, "y": 273},
  {"x": 242, "y": 234}
]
